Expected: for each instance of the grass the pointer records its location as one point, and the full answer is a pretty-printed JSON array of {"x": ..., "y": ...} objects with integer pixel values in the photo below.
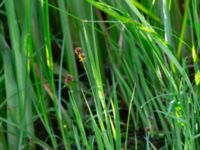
[{"x": 99, "y": 74}]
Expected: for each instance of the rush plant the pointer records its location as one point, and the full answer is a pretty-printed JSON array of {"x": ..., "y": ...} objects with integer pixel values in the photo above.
[{"x": 98, "y": 74}]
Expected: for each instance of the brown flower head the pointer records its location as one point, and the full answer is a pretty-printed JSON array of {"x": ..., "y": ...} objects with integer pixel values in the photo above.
[
  {"x": 68, "y": 79},
  {"x": 78, "y": 51},
  {"x": 80, "y": 54}
]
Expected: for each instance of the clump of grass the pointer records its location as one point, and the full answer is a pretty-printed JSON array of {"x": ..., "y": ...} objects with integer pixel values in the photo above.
[{"x": 99, "y": 74}]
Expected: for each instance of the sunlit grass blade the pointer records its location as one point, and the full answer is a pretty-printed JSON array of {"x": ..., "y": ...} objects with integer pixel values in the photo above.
[{"x": 116, "y": 117}]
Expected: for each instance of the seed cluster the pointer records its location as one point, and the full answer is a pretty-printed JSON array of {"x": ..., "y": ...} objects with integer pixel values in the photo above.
[
  {"x": 68, "y": 79},
  {"x": 80, "y": 54}
]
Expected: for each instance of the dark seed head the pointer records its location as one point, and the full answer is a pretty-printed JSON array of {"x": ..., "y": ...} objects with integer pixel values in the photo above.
[
  {"x": 78, "y": 51},
  {"x": 68, "y": 79}
]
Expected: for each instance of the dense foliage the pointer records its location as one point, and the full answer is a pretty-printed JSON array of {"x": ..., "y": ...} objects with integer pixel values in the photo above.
[{"x": 99, "y": 74}]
